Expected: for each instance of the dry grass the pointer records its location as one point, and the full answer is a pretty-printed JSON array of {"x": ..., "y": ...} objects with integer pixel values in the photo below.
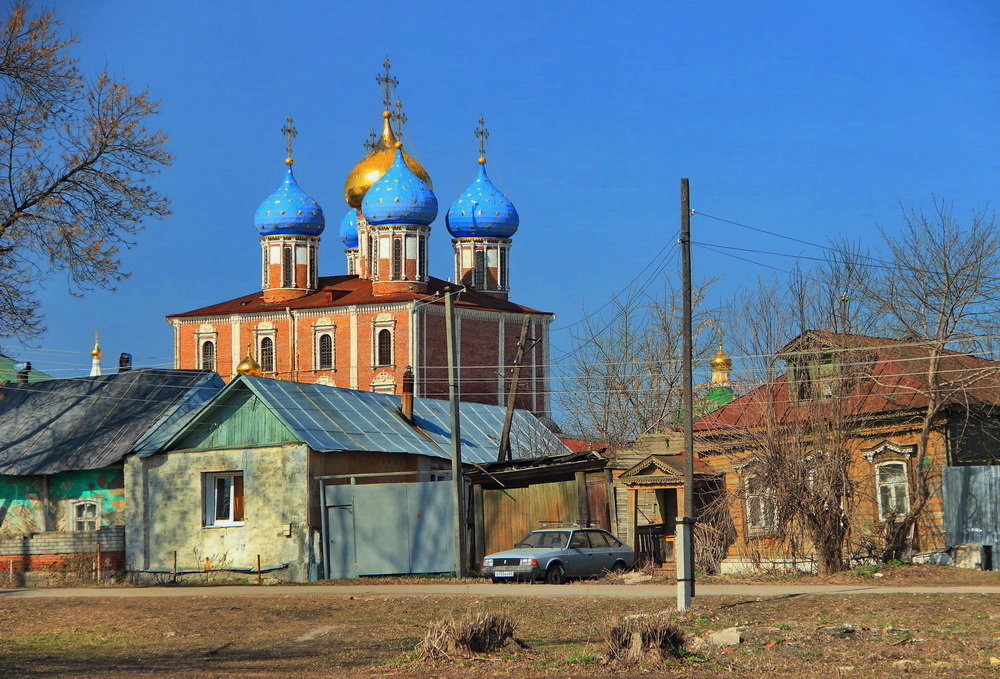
[
  {"x": 479, "y": 632},
  {"x": 635, "y": 639}
]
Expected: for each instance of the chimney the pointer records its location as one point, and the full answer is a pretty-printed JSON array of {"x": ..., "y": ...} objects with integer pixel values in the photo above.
[
  {"x": 124, "y": 362},
  {"x": 407, "y": 405},
  {"x": 22, "y": 373}
]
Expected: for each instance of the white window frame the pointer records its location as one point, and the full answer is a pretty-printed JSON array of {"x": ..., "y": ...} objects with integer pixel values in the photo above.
[
  {"x": 319, "y": 332},
  {"x": 210, "y": 518},
  {"x": 759, "y": 498},
  {"x": 95, "y": 519},
  {"x": 904, "y": 485},
  {"x": 201, "y": 354}
]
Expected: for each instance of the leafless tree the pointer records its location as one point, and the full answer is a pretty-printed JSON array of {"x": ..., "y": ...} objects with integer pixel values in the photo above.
[
  {"x": 75, "y": 153},
  {"x": 943, "y": 292},
  {"x": 624, "y": 377}
]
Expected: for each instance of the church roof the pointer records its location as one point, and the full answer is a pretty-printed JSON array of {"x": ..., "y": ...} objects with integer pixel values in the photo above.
[{"x": 336, "y": 291}]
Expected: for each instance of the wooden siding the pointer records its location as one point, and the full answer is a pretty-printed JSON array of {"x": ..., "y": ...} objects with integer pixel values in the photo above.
[
  {"x": 511, "y": 513},
  {"x": 239, "y": 421}
]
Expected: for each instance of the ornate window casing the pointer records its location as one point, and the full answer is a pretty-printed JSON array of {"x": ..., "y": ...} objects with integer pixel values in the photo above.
[
  {"x": 267, "y": 354},
  {"x": 383, "y": 340},
  {"x": 207, "y": 355},
  {"x": 324, "y": 351},
  {"x": 892, "y": 490},
  {"x": 373, "y": 250},
  {"x": 85, "y": 515},
  {"x": 759, "y": 509},
  {"x": 224, "y": 499},
  {"x": 383, "y": 347},
  {"x": 313, "y": 275}
]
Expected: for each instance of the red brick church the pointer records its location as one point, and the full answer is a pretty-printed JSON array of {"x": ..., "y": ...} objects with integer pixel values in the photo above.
[{"x": 362, "y": 329}]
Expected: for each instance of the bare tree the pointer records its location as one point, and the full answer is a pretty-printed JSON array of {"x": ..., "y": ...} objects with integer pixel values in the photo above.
[
  {"x": 943, "y": 293},
  {"x": 624, "y": 378},
  {"x": 75, "y": 154}
]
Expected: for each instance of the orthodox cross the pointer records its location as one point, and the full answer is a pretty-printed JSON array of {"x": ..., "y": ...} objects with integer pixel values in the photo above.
[
  {"x": 387, "y": 82},
  {"x": 482, "y": 134},
  {"x": 289, "y": 131},
  {"x": 400, "y": 119},
  {"x": 370, "y": 141}
]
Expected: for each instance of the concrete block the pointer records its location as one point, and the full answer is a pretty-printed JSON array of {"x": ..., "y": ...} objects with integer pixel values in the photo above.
[{"x": 732, "y": 636}]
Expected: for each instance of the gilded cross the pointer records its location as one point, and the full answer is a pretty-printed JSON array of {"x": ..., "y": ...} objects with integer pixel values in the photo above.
[
  {"x": 370, "y": 141},
  {"x": 387, "y": 82},
  {"x": 289, "y": 131},
  {"x": 400, "y": 119},
  {"x": 482, "y": 134}
]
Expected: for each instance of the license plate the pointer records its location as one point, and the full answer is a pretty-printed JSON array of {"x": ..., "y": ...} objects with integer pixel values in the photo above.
[{"x": 503, "y": 574}]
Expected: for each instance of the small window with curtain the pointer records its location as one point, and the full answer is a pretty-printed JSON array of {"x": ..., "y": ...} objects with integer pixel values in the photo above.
[
  {"x": 267, "y": 354},
  {"x": 224, "y": 499},
  {"x": 383, "y": 350},
  {"x": 479, "y": 271},
  {"x": 759, "y": 502},
  {"x": 324, "y": 352},
  {"x": 208, "y": 355},
  {"x": 892, "y": 490},
  {"x": 287, "y": 279}
]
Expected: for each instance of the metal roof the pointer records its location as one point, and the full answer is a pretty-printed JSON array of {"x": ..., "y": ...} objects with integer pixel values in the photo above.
[
  {"x": 329, "y": 419},
  {"x": 92, "y": 422}
]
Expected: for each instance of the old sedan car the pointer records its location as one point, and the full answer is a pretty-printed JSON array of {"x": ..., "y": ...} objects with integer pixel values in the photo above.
[{"x": 555, "y": 554}]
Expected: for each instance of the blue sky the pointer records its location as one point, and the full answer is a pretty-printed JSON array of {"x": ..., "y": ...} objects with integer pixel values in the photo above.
[{"x": 809, "y": 119}]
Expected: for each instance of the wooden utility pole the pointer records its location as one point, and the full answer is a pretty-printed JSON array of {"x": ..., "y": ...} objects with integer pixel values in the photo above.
[
  {"x": 512, "y": 392},
  {"x": 685, "y": 522},
  {"x": 456, "y": 433}
]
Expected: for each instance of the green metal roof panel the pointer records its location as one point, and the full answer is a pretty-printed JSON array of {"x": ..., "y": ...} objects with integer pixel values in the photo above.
[{"x": 9, "y": 372}]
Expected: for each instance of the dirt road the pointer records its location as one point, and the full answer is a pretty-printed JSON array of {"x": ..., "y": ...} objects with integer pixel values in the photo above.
[{"x": 581, "y": 589}]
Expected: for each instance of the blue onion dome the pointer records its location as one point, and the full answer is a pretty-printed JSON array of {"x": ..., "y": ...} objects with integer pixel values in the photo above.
[
  {"x": 399, "y": 197},
  {"x": 482, "y": 211},
  {"x": 289, "y": 211},
  {"x": 349, "y": 229}
]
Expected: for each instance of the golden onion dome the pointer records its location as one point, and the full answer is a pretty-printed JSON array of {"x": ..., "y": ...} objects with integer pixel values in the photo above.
[
  {"x": 721, "y": 360},
  {"x": 248, "y": 366},
  {"x": 371, "y": 167},
  {"x": 96, "y": 351}
]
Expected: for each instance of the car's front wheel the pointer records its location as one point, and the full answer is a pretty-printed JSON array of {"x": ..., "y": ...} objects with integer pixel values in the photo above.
[{"x": 556, "y": 574}]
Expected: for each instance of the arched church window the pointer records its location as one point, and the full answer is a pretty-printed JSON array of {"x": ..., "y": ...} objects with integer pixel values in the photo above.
[
  {"x": 286, "y": 267},
  {"x": 325, "y": 352},
  {"x": 373, "y": 254},
  {"x": 208, "y": 355},
  {"x": 503, "y": 269},
  {"x": 397, "y": 258},
  {"x": 479, "y": 271},
  {"x": 267, "y": 354},
  {"x": 383, "y": 350}
]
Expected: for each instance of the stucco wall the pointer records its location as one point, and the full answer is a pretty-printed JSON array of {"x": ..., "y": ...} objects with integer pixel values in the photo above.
[
  {"x": 166, "y": 511},
  {"x": 24, "y": 509}
]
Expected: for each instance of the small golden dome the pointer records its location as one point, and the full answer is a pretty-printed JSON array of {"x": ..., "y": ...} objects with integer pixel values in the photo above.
[
  {"x": 248, "y": 366},
  {"x": 721, "y": 360},
  {"x": 371, "y": 167},
  {"x": 96, "y": 351}
]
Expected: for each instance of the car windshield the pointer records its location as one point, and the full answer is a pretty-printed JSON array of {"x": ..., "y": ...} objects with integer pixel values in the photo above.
[{"x": 548, "y": 539}]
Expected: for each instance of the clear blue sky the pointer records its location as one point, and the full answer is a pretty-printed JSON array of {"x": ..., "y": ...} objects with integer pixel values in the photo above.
[{"x": 810, "y": 119}]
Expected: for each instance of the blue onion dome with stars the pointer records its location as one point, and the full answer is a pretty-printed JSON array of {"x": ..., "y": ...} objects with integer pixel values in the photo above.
[
  {"x": 349, "y": 229},
  {"x": 289, "y": 211},
  {"x": 482, "y": 211},
  {"x": 399, "y": 197}
]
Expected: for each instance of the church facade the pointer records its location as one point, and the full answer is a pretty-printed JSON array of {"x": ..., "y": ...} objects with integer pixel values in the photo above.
[{"x": 364, "y": 328}]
